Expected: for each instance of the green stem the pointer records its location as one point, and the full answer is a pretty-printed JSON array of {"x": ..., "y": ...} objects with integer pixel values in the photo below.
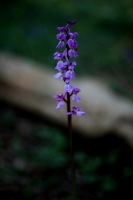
[{"x": 73, "y": 173}]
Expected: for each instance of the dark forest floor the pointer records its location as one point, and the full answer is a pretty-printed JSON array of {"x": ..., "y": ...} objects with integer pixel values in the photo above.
[{"x": 34, "y": 164}]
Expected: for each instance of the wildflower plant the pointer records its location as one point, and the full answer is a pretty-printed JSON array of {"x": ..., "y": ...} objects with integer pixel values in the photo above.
[
  {"x": 66, "y": 72},
  {"x": 66, "y": 69}
]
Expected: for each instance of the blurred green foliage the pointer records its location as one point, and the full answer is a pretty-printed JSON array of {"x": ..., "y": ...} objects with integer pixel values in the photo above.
[{"x": 28, "y": 28}]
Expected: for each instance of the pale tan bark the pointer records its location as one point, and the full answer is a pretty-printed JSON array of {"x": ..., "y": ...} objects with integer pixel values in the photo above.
[{"x": 31, "y": 86}]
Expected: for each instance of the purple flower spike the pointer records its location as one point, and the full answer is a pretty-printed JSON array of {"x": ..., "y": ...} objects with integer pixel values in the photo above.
[
  {"x": 68, "y": 88},
  {"x": 61, "y": 36},
  {"x": 70, "y": 74},
  {"x": 72, "y": 53},
  {"x": 66, "y": 80},
  {"x": 80, "y": 113},
  {"x": 59, "y": 74},
  {"x": 60, "y": 44},
  {"x": 58, "y": 97},
  {"x": 61, "y": 99},
  {"x": 72, "y": 44},
  {"x": 73, "y": 35},
  {"x": 60, "y": 66},
  {"x": 60, "y": 105},
  {"x": 76, "y": 98},
  {"x": 76, "y": 110},
  {"x": 66, "y": 68},
  {"x": 72, "y": 65},
  {"x": 61, "y": 28},
  {"x": 58, "y": 56},
  {"x": 76, "y": 90}
]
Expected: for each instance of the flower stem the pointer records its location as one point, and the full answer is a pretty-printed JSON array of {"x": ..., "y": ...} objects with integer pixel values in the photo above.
[{"x": 73, "y": 173}]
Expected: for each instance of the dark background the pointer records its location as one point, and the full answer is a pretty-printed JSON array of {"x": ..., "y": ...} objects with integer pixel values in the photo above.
[{"x": 34, "y": 158}]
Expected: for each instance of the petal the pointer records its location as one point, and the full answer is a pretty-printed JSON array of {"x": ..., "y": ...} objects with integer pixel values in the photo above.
[
  {"x": 72, "y": 43},
  {"x": 58, "y": 56},
  {"x": 58, "y": 97},
  {"x": 61, "y": 28},
  {"x": 76, "y": 98},
  {"x": 76, "y": 108},
  {"x": 61, "y": 36},
  {"x": 60, "y": 44},
  {"x": 66, "y": 63},
  {"x": 74, "y": 63},
  {"x": 76, "y": 90},
  {"x": 71, "y": 67},
  {"x": 69, "y": 113},
  {"x": 73, "y": 35},
  {"x": 67, "y": 80},
  {"x": 64, "y": 53},
  {"x": 72, "y": 53},
  {"x": 67, "y": 74},
  {"x": 55, "y": 53},
  {"x": 57, "y": 75},
  {"x": 68, "y": 88},
  {"x": 75, "y": 44},
  {"x": 60, "y": 105},
  {"x": 60, "y": 65},
  {"x": 80, "y": 113},
  {"x": 70, "y": 74}
]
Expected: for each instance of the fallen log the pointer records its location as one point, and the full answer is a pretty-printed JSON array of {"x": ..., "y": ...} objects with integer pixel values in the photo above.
[{"x": 31, "y": 86}]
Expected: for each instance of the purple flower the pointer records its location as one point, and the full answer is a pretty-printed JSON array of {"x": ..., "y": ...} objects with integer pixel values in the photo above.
[
  {"x": 70, "y": 74},
  {"x": 66, "y": 80},
  {"x": 72, "y": 43},
  {"x": 76, "y": 90},
  {"x": 60, "y": 44},
  {"x": 61, "y": 28},
  {"x": 60, "y": 105},
  {"x": 66, "y": 68},
  {"x": 76, "y": 110},
  {"x": 62, "y": 69},
  {"x": 59, "y": 74},
  {"x": 61, "y": 36},
  {"x": 73, "y": 91},
  {"x": 58, "y": 56},
  {"x": 73, "y": 35},
  {"x": 64, "y": 55},
  {"x": 74, "y": 95},
  {"x": 61, "y": 66},
  {"x": 72, "y": 65},
  {"x": 59, "y": 97},
  {"x": 68, "y": 88},
  {"x": 72, "y": 53},
  {"x": 76, "y": 98}
]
